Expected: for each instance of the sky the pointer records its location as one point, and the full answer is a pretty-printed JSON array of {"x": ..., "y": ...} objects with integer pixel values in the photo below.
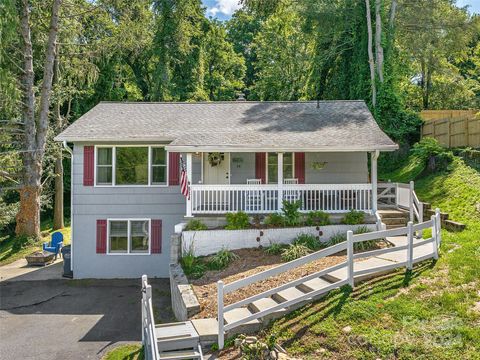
[{"x": 223, "y": 9}]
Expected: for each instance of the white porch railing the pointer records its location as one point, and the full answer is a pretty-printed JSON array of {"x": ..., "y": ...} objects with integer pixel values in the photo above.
[
  {"x": 408, "y": 231},
  {"x": 262, "y": 199},
  {"x": 403, "y": 196}
]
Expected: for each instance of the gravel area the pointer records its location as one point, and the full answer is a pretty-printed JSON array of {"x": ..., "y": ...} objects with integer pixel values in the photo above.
[{"x": 251, "y": 261}]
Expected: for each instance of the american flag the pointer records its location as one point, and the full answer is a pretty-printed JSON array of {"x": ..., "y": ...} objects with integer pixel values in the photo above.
[{"x": 184, "y": 180}]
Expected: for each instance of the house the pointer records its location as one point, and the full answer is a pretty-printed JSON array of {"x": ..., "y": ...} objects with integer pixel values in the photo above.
[{"x": 247, "y": 156}]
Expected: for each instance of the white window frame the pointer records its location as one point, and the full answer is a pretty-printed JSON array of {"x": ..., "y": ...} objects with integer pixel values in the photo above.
[
  {"x": 266, "y": 166},
  {"x": 114, "y": 165},
  {"x": 129, "y": 242}
]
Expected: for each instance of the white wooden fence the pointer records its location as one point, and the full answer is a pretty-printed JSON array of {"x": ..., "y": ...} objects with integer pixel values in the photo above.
[
  {"x": 149, "y": 341},
  {"x": 408, "y": 231},
  {"x": 262, "y": 199}
]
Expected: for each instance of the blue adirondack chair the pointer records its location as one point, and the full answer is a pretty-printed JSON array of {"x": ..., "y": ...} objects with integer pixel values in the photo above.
[{"x": 55, "y": 245}]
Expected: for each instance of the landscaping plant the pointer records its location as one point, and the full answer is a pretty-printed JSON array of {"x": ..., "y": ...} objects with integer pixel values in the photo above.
[
  {"x": 354, "y": 217},
  {"x": 237, "y": 221},
  {"x": 291, "y": 212},
  {"x": 275, "y": 249},
  {"x": 360, "y": 246},
  {"x": 310, "y": 241},
  {"x": 317, "y": 218},
  {"x": 221, "y": 259},
  {"x": 195, "y": 225},
  {"x": 192, "y": 265},
  {"x": 294, "y": 251},
  {"x": 274, "y": 220}
]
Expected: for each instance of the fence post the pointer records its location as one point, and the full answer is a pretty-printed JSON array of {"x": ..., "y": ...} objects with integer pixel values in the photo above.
[
  {"x": 221, "y": 333},
  {"x": 438, "y": 227},
  {"x": 420, "y": 216},
  {"x": 410, "y": 245},
  {"x": 434, "y": 236},
  {"x": 144, "y": 282},
  {"x": 410, "y": 201},
  {"x": 350, "y": 258}
]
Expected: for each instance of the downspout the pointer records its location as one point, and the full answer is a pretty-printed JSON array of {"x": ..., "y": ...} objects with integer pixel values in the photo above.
[{"x": 71, "y": 202}]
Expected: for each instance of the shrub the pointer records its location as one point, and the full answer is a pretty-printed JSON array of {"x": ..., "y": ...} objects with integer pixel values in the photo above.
[
  {"x": 195, "y": 225},
  {"x": 308, "y": 240},
  {"x": 274, "y": 219},
  {"x": 294, "y": 251},
  {"x": 192, "y": 265},
  {"x": 317, "y": 218},
  {"x": 237, "y": 221},
  {"x": 21, "y": 242},
  {"x": 291, "y": 213},
  {"x": 431, "y": 152},
  {"x": 221, "y": 259},
  {"x": 354, "y": 217},
  {"x": 275, "y": 249},
  {"x": 360, "y": 246}
]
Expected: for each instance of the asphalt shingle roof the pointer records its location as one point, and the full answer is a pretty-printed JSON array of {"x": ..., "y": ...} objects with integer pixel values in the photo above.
[{"x": 335, "y": 125}]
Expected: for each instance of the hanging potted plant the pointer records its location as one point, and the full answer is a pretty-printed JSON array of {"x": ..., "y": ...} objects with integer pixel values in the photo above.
[{"x": 214, "y": 158}]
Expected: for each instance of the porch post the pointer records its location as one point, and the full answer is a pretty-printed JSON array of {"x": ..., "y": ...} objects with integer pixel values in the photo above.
[
  {"x": 188, "y": 212},
  {"x": 280, "y": 181},
  {"x": 374, "y": 180}
]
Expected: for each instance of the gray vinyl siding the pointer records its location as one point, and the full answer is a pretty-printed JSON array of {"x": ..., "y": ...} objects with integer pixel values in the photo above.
[
  {"x": 340, "y": 168},
  {"x": 242, "y": 166},
  {"x": 93, "y": 203}
]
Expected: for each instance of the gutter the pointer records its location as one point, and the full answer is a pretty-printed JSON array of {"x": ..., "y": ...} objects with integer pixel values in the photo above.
[{"x": 70, "y": 151}]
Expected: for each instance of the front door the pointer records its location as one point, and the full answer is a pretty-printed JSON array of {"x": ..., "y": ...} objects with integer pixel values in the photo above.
[{"x": 219, "y": 171}]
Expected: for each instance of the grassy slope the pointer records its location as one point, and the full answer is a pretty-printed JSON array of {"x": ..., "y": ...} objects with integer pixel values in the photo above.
[
  {"x": 9, "y": 255},
  {"x": 427, "y": 314},
  {"x": 125, "y": 352}
]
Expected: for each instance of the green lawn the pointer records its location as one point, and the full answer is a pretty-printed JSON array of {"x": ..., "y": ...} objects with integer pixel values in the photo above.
[
  {"x": 430, "y": 313},
  {"x": 125, "y": 352},
  {"x": 10, "y": 249}
]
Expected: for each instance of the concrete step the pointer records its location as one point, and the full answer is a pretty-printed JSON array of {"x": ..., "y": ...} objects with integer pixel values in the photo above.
[
  {"x": 264, "y": 304},
  {"x": 393, "y": 213},
  {"x": 207, "y": 330},
  {"x": 314, "y": 285},
  {"x": 395, "y": 226},
  {"x": 171, "y": 336},
  {"x": 342, "y": 273},
  {"x": 290, "y": 294},
  {"x": 238, "y": 314},
  {"x": 179, "y": 355},
  {"x": 395, "y": 221}
]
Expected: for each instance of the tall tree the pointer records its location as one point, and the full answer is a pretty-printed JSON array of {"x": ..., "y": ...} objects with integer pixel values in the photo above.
[
  {"x": 225, "y": 68},
  {"x": 371, "y": 61},
  {"x": 35, "y": 121}
]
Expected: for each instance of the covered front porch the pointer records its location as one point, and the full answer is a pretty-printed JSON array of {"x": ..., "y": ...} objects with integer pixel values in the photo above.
[{"x": 259, "y": 182}]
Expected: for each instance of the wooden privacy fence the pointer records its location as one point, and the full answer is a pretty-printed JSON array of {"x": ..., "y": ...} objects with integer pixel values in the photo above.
[{"x": 452, "y": 128}]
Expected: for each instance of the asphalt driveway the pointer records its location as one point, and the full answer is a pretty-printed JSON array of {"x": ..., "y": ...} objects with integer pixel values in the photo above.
[{"x": 73, "y": 319}]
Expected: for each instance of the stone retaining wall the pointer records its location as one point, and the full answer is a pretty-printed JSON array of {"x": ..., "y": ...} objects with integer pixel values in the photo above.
[{"x": 184, "y": 301}]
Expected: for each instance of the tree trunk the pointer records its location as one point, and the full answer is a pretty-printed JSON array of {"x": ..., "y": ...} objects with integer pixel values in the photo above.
[
  {"x": 370, "y": 54},
  {"x": 58, "y": 222},
  {"x": 393, "y": 13},
  {"x": 378, "y": 39},
  {"x": 28, "y": 216}
]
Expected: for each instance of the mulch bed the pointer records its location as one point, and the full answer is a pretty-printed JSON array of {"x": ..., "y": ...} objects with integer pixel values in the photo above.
[{"x": 251, "y": 261}]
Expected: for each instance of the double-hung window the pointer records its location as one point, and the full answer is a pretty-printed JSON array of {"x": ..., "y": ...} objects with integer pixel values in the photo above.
[
  {"x": 272, "y": 167},
  {"x": 129, "y": 236},
  {"x": 131, "y": 165}
]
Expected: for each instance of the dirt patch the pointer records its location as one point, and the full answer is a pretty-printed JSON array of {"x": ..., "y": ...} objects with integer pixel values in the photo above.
[{"x": 251, "y": 261}]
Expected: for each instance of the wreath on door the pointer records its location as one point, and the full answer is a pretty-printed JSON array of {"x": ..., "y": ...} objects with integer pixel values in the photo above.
[{"x": 214, "y": 158}]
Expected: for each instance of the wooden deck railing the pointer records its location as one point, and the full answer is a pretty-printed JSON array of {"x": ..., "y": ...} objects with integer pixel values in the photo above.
[{"x": 262, "y": 199}]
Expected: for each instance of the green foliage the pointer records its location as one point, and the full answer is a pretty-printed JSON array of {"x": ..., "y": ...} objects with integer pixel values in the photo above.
[
  {"x": 291, "y": 212},
  {"x": 310, "y": 241},
  {"x": 354, "y": 217},
  {"x": 192, "y": 265},
  {"x": 237, "y": 221},
  {"x": 195, "y": 225},
  {"x": 317, "y": 218},
  {"x": 340, "y": 237},
  {"x": 275, "y": 249},
  {"x": 22, "y": 242},
  {"x": 274, "y": 220},
  {"x": 294, "y": 251},
  {"x": 221, "y": 259}
]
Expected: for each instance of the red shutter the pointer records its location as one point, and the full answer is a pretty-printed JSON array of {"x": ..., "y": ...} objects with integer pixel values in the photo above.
[
  {"x": 260, "y": 166},
  {"x": 156, "y": 237},
  {"x": 101, "y": 236},
  {"x": 300, "y": 167},
  {"x": 88, "y": 164},
  {"x": 173, "y": 168}
]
